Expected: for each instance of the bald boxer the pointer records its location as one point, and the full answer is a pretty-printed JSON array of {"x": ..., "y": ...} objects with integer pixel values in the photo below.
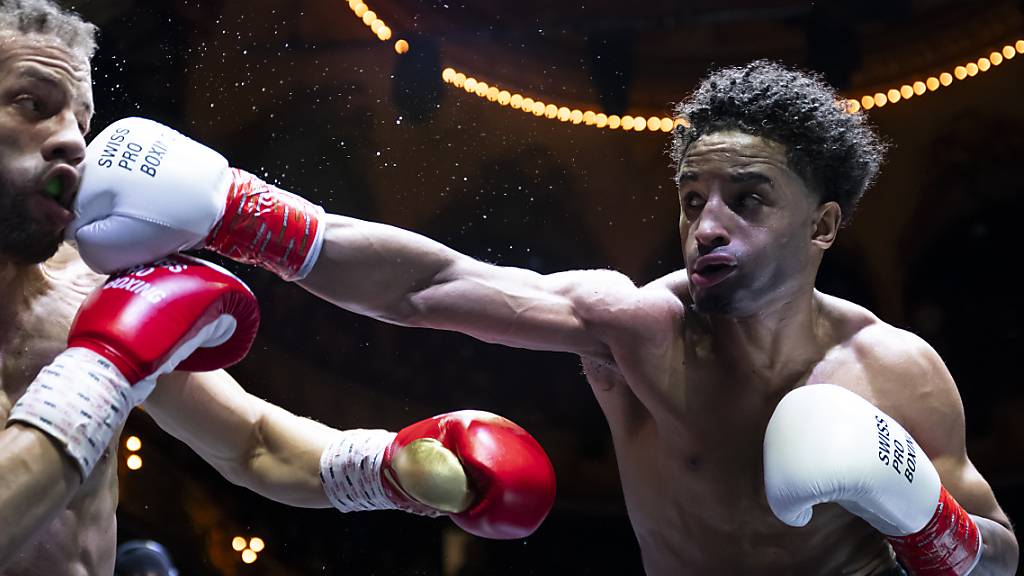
[
  {"x": 862, "y": 471},
  {"x": 78, "y": 352}
]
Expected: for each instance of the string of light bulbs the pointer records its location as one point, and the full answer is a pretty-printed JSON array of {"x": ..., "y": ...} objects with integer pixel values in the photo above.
[
  {"x": 640, "y": 123},
  {"x": 542, "y": 108},
  {"x": 933, "y": 83},
  {"x": 376, "y": 24},
  {"x": 538, "y": 107}
]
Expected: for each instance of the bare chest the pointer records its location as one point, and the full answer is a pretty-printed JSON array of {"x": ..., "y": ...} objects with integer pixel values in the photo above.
[
  {"x": 82, "y": 537},
  {"x": 689, "y": 431},
  {"x": 31, "y": 338}
]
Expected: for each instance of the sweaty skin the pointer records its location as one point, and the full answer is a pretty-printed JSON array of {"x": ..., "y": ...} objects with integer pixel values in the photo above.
[
  {"x": 54, "y": 523},
  {"x": 37, "y": 311},
  {"x": 249, "y": 441},
  {"x": 688, "y": 370},
  {"x": 45, "y": 107}
]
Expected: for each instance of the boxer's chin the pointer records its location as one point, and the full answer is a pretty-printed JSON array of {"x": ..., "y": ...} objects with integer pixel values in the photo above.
[
  {"x": 26, "y": 244},
  {"x": 715, "y": 305},
  {"x": 31, "y": 230},
  {"x": 721, "y": 302}
]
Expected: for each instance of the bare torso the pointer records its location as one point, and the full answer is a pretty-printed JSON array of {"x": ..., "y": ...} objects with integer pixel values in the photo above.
[
  {"x": 688, "y": 423},
  {"x": 34, "y": 323}
]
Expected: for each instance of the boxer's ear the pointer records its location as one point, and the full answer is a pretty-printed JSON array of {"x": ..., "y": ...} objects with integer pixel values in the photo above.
[{"x": 825, "y": 224}]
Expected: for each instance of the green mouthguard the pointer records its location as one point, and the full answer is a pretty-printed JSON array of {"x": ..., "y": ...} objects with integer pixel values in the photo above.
[{"x": 52, "y": 189}]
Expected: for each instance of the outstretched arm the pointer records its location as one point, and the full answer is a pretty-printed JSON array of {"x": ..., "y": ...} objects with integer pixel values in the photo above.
[
  {"x": 404, "y": 278},
  {"x": 131, "y": 215},
  {"x": 127, "y": 216},
  {"x": 248, "y": 440},
  {"x": 487, "y": 473}
]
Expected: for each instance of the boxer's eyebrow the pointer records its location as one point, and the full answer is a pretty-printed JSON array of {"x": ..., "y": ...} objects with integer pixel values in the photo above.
[
  {"x": 687, "y": 176},
  {"x": 748, "y": 177},
  {"x": 33, "y": 73}
]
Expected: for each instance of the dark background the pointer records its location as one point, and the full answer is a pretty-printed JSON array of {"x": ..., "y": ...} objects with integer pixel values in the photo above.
[{"x": 303, "y": 94}]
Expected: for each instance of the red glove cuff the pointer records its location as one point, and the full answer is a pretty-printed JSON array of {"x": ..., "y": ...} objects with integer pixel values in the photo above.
[
  {"x": 269, "y": 227},
  {"x": 949, "y": 545}
]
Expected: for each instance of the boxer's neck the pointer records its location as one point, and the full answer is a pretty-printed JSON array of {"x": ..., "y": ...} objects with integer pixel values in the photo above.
[
  {"x": 18, "y": 282},
  {"x": 774, "y": 342}
]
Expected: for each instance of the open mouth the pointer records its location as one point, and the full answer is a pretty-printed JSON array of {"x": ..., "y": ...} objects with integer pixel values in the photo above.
[
  {"x": 712, "y": 269},
  {"x": 60, "y": 185},
  {"x": 53, "y": 189}
]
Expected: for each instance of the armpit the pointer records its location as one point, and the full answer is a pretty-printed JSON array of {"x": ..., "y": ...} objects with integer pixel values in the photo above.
[{"x": 603, "y": 375}]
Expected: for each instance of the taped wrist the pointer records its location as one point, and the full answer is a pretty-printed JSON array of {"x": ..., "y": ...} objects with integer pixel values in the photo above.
[
  {"x": 81, "y": 400},
  {"x": 949, "y": 545},
  {"x": 350, "y": 472},
  {"x": 268, "y": 227}
]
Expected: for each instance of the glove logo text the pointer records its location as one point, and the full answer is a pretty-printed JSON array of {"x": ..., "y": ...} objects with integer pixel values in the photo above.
[
  {"x": 902, "y": 456},
  {"x": 131, "y": 153}
]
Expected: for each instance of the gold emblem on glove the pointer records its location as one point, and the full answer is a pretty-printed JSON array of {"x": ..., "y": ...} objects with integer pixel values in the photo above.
[{"x": 431, "y": 474}]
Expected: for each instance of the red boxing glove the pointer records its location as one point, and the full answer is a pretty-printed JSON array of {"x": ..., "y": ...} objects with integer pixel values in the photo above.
[
  {"x": 139, "y": 325},
  {"x": 180, "y": 310},
  {"x": 486, "y": 472},
  {"x": 511, "y": 481}
]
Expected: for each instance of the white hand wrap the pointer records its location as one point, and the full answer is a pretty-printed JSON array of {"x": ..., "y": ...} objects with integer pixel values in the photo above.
[
  {"x": 350, "y": 470},
  {"x": 81, "y": 400}
]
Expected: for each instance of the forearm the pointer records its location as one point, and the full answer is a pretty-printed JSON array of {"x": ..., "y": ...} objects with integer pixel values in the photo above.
[
  {"x": 38, "y": 481},
  {"x": 284, "y": 461},
  {"x": 251, "y": 442},
  {"x": 373, "y": 269},
  {"x": 1000, "y": 553}
]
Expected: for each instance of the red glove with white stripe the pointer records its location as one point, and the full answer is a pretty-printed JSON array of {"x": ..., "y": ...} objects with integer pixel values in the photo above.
[
  {"x": 180, "y": 312},
  {"x": 148, "y": 191},
  {"x": 484, "y": 471}
]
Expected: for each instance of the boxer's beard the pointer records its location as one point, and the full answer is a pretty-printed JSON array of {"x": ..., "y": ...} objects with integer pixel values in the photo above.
[
  {"x": 715, "y": 305},
  {"x": 23, "y": 239},
  {"x": 722, "y": 303}
]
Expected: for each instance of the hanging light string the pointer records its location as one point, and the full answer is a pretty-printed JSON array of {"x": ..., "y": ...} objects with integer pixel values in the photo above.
[
  {"x": 538, "y": 107},
  {"x": 637, "y": 123},
  {"x": 376, "y": 24},
  {"x": 922, "y": 86}
]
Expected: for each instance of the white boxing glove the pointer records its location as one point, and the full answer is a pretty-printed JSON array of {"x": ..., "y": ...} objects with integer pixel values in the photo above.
[
  {"x": 825, "y": 443},
  {"x": 148, "y": 191}
]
